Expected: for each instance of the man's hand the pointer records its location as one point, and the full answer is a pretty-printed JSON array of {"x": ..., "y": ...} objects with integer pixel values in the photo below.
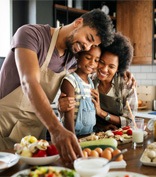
[
  {"x": 66, "y": 103},
  {"x": 128, "y": 76},
  {"x": 67, "y": 144}
]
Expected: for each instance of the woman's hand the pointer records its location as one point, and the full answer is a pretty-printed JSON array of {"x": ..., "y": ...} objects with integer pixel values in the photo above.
[
  {"x": 66, "y": 103},
  {"x": 96, "y": 101},
  {"x": 129, "y": 77}
]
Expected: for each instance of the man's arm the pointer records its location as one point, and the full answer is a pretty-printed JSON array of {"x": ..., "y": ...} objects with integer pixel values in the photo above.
[
  {"x": 29, "y": 73},
  {"x": 129, "y": 78}
]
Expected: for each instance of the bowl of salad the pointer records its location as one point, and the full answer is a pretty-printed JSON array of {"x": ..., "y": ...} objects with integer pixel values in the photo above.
[
  {"x": 47, "y": 171},
  {"x": 36, "y": 152}
]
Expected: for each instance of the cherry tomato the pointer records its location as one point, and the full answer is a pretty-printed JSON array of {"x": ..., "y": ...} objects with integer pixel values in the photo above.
[
  {"x": 126, "y": 128},
  {"x": 40, "y": 153},
  {"x": 118, "y": 132},
  {"x": 51, "y": 150},
  {"x": 129, "y": 132}
]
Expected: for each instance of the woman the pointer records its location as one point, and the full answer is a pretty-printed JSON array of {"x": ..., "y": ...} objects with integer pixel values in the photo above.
[{"x": 112, "y": 91}]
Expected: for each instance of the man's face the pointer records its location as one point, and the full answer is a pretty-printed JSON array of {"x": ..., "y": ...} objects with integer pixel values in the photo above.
[{"x": 82, "y": 39}]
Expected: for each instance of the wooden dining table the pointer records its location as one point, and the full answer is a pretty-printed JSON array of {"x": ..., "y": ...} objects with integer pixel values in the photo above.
[{"x": 132, "y": 158}]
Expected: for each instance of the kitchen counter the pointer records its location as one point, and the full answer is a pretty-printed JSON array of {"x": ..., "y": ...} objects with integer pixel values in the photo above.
[
  {"x": 132, "y": 158},
  {"x": 149, "y": 114}
]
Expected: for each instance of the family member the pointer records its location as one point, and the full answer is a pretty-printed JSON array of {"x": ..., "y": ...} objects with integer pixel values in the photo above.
[
  {"x": 112, "y": 90},
  {"x": 38, "y": 59},
  {"x": 78, "y": 84}
]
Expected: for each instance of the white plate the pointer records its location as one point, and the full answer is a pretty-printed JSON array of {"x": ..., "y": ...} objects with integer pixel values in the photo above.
[
  {"x": 146, "y": 163},
  {"x": 9, "y": 160},
  {"x": 27, "y": 171},
  {"x": 39, "y": 160},
  {"x": 123, "y": 173}
]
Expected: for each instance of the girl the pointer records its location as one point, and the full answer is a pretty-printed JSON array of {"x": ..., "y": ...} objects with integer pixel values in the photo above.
[{"x": 78, "y": 84}]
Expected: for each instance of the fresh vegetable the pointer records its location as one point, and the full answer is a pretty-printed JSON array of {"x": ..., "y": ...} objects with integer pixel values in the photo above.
[
  {"x": 118, "y": 132},
  {"x": 51, "y": 150},
  {"x": 51, "y": 172},
  {"x": 39, "y": 153},
  {"x": 129, "y": 132},
  {"x": 31, "y": 147},
  {"x": 103, "y": 143},
  {"x": 126, "y": 128}
]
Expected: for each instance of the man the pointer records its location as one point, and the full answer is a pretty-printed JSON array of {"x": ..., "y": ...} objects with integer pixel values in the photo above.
[{"x": 32, "y": 71}]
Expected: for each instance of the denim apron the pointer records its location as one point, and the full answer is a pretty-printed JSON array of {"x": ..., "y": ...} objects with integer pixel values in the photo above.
[
  {"x": 17, "y": 117},
  {"x": 86, "y": 119}
]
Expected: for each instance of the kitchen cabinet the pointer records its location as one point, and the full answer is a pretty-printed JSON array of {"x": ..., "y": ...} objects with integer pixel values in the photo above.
[
  {"x": 65, "y": 14},
  {"x": 135, "y": 20}
]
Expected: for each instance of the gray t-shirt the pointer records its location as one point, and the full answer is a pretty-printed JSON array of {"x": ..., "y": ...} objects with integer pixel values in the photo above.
[{"x": 36, "y": 38}]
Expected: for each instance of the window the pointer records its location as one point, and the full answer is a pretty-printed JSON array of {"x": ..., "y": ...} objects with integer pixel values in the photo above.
[{"x": 6, "y": 26}]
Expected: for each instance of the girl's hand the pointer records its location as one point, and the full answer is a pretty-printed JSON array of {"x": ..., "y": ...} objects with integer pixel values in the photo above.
[{"x": 96, "y": 101}]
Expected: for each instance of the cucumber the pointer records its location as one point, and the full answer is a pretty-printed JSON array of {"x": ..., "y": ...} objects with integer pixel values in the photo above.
[{"x": 102, "y": 143}]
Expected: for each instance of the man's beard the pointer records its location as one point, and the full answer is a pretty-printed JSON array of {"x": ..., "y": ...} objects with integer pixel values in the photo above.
[{"x": 69, "y": 44}]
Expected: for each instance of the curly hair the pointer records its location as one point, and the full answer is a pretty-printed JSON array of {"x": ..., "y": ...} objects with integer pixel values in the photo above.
[
  {"x": 123, "y": 48},
  {"x": 97, "y": 19}
]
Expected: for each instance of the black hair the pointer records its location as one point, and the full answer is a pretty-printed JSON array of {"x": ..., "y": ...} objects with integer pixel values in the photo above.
[
  {"x": 123, "y": 48},
  {"x": 98, "y": 20}
]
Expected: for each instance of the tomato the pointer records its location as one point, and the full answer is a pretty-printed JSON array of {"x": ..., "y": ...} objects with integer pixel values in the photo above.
[
  {"x": 49, "y": 175},
  {"x": 118, "y": 132},
  {"x": 51, "y": 150},
  {"x": 129, "y": 132},
  {"x": 126, "y": 128},
  {"x": 40, "y": 153}
]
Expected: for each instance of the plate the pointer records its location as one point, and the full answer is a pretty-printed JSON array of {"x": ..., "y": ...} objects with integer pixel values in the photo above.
[
  {"x": 142, "y": 107},
  {"x": 7, "y": 160},
  {"x": 118, "y": 164},
  {"x": 39, "y": 160},
  {"x": 123, "y": 173},
  {"x": 145, "y": 157},
  {"x": 27, "y": 171}
]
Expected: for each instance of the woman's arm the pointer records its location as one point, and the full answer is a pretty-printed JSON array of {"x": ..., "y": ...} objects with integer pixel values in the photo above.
[{"x": 102, "y": 113}]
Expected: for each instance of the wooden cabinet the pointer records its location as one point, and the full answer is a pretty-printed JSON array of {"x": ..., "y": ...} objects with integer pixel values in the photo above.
[{"x": 135, "y": 20}]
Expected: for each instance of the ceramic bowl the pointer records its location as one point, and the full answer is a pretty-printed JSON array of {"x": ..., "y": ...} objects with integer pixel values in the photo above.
[
  {"x": 91, "y": 166},
  {"x": 39, "y": 160}
]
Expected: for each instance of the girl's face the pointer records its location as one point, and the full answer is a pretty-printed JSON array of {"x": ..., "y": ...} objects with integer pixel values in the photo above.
[
  {"x": 107, "y": 67},
  {"x": 88, "y": 60}
]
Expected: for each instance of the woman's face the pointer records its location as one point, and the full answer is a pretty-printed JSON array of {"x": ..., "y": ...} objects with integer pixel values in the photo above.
[{"x": 107, "y": 67}]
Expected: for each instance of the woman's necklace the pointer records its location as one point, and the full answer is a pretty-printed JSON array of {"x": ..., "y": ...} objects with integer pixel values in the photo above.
[{"x": 104, "y": 88}]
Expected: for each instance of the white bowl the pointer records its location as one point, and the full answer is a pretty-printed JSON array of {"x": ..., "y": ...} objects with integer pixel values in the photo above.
[
  {"x": 39, "y": 160},
  {"x": 91, "y": 166}
]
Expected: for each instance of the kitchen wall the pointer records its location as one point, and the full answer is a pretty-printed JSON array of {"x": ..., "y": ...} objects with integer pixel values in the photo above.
[{"x": 144, "y": 74}]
